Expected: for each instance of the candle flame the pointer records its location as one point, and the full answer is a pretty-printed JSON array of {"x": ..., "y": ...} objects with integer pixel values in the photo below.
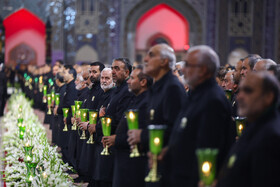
[
  {"x": 131, "y": 115},
  {"x": 85, "y": 114},
  {"x": 93, "y": 115},
  {"x": 28, "y": 158},
  {"x": 240, "y": 127},
  {"x": 45, "y": 175},
  {"x": 156, "y": 141},
  {"x": 206, "y": 167},
  {"x": 108, "y": 120}
]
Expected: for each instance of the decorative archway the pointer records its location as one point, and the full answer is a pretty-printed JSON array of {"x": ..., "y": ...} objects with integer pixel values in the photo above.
[
  {"x": 25, "y": 38},
  {"x": 86, "y": 54},
  {"x": 182, "y": 8}
]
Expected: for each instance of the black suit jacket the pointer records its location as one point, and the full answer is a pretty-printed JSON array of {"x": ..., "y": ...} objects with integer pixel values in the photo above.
[
  {"x": 204, "y": 122},
  {"x": 120, "y": 99},
  {"x": 255, "y": 159},
  {"x": 130, "y": 171}
]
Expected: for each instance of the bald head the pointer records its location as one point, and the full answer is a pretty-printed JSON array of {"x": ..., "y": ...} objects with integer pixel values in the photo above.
[
  {"x": 258, "y": 92},
  {"x": 263, "y": 64},
  {"x": 206, "y": 56}
]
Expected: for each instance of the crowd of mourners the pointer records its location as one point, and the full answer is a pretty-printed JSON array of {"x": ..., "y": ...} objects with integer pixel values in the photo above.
[{"x": 197, "y": 100}]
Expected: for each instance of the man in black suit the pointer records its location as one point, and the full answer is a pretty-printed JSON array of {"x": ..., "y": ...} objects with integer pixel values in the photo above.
[
  {"x": 85, "y": 151},
  {"x": 120, "y": 98},
  {"x": 204, "y": 121},
  {"x": 131, "y": 171},
  {"x": 69, "y": 75},
  {"x": 255, "y": 159},
  {"x": 165, "y": 98}
]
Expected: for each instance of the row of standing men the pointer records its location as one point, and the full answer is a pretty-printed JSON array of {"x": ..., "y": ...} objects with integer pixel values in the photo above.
[{"x": 199, "y": 118}]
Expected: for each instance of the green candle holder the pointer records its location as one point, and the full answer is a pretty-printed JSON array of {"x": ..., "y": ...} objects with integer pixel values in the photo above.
[
  {"x": 74, "y": 125},
  {"x": 49, "y": 98},
  {"x": 228, "y": 94},
  {"x": 156, "y": 142},
  {"x": 132, "y": 121},
  {"x": 53, "y": 95},
  {"x": 207, "y": 164},
  {"x": 84, "y": 117},
  {"x": 20, "y": 109},
  {"x": 106, "y": 129},
  {"x": 57, "y": 99},
  {"x": 92, "y": 120},
  {"x": 240, "y": 125},
  {"x": 78, "y": 105},
  {"x": 28, "y": 152},
  {"x": 31, "y": 168},
  {"x": 45, "y": 88},
  {"x": 20, "y": 121},
  {"x": 65, "y": 115},
  {"x": 21, "y": 131}
]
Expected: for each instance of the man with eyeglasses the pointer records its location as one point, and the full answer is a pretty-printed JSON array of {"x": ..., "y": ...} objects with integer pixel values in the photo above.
[
  {"x": 204, "y": 121},
  {"x": 254, "y": 159}
]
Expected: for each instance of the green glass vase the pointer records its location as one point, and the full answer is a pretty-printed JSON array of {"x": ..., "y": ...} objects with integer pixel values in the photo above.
[
  {"x": 84, "y": 118},
  {"x": 106, "y": 129},
  {"x": 74, "y": 125},
  {"x": 49, "y": 98},
  {"x": 156, "y": 133},
  {"x": 228, "y": 94},
  {"x": 240, "y": 123},
  {"x": 65, "y": 115},
  {"x": 92, "y": 120},
  {"x": 207, "y": 164},
  {"x": 132, "y": 122}
]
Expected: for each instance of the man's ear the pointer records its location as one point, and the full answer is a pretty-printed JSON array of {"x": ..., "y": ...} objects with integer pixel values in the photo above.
[
  {"x": 164, "y": 62},
  {"x": 126, "y": 72},
  {"x": 268, "y": 99},
  {"x": 143, "y": 82}
]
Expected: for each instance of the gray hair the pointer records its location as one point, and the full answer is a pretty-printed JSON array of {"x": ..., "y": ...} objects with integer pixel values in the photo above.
[
  {"x": 168, "y": 52},
  {"x": 80, "y": 77},
  {"x": 268, "y": 63},
  {"x": 208, "y": 57},
  {"x": 106, "y": 69}
]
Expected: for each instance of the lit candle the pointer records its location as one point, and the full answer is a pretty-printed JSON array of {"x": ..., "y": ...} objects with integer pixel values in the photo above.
[
  {"x": 28, "y": 158},
  {"x": 131, "y": 115},
  {"x": 156, "y": 141},
  {"x": 45, "y": 175},
  {"x": 206, "y": 168}
]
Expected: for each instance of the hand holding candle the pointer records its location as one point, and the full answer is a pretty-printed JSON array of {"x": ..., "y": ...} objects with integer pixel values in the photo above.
[
  {"x": 106, "y": 129},
  {"x": 156, "y": 142},
  {"x": 84, "y": 118},
  {"x": 65, "y": 115},
  {"x": 132, "y": 121},
  {"x": 92, "y": 121}
]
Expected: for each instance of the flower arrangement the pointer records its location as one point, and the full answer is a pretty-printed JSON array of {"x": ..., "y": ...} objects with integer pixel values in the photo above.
[{"x": 50, "y": 169}]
